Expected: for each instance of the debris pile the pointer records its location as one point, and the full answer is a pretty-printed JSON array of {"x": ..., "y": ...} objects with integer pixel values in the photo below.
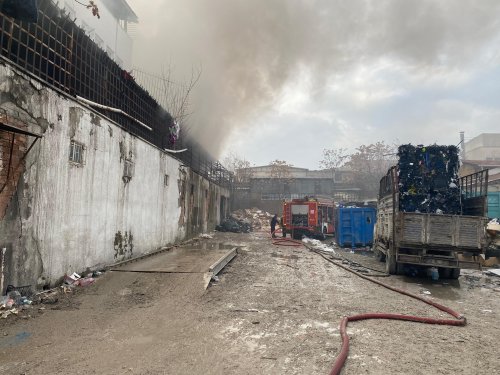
[
  {"x": 18, "y": 301},
  {"x": 428, "y": 179},
  {"x": 244, "y": 221},
  {"x": 15, "y": 300},
  {"x": 231, "y": 224},
  {"x": 487, "y": 279},
  {"x": 493, "y": 231}
]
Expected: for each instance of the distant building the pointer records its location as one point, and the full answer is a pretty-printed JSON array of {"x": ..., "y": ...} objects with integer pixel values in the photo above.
[
  {"x": 110, "y": 31},
  {"x": 485, "y": 146},
  {"x": 483, "y": 152},
  {"x": 266, "y": 188}
]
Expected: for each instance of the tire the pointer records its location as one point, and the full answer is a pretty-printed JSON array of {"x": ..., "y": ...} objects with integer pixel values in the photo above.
[
  {"x": 390, "y": 261},
  {"x": 319, "y": 236},
  {"x": 444, "y": 273},
  {"x": 297, "y": 235},
  {"x": 379, "y": 255},
  {"x": 400, "y": 268},
  {"x": 455, "y": 273}
]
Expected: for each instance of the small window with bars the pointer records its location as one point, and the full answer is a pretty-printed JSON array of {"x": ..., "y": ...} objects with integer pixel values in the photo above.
[
  {"x": 165, "y": 180},
  {"x": 76, "y": 152},
  {"x": 128, "y": 170}
]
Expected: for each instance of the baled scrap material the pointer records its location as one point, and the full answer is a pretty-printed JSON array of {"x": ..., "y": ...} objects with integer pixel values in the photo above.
[{"x": 428, "y": 179}]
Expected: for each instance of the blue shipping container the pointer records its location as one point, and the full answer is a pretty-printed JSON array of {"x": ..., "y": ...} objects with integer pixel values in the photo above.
[
  {"x": 494, "y": 204},
  {"x": 354, "y": 226}
]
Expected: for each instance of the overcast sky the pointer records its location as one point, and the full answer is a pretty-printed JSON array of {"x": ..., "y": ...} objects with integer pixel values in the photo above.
[{"x": 284, "y": 79}]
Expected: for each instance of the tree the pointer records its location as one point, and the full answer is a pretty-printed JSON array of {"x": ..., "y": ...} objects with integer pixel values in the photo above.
[
  {"x": 369, "y": 164},
  {"x": 333, "y": 159},
  {"x": 173, "y": 96},
  {"x": 92, "y": 6},
  {"x": 280, "y": 170},
  {"x": 239, "y": 166}
]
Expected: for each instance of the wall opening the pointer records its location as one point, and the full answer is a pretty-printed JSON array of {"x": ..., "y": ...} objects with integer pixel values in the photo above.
[{"x": 76, "y": 152}]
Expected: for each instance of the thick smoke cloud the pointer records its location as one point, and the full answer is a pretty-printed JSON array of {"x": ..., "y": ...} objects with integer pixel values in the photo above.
[{"x": 250, "y": 49}]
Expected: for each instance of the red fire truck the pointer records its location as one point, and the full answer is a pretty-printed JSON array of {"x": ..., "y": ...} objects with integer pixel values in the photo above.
[{"x": 310, "y": 216}]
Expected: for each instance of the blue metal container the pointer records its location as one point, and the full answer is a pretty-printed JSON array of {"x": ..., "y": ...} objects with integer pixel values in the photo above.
[
  {"x": 354, "y": 226},
  {"x": 494, "y": 204}
]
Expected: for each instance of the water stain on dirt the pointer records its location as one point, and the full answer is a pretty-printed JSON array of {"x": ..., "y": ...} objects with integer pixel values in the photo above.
[{"x": 18, "y": 339}]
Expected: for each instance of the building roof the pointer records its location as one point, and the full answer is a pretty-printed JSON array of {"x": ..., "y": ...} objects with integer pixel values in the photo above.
[
  {"x": 483, "y": 163},
  {"x": 121, "y": 10},
  {"x": 265, "y": 171}
]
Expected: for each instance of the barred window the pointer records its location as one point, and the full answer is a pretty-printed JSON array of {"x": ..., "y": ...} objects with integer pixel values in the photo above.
[
  {"x": 76, "y": 152},
  {"x": 128, "y": 170}
]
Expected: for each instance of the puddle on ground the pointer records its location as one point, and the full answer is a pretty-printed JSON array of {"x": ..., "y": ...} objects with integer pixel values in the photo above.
[
  {"x": 14, "y": 340},
  {"x": 447, "y": 289}
]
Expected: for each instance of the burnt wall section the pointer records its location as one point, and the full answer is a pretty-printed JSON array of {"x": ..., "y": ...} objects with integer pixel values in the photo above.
[
  {"x": 91, "y": 193},
  {"x": 12, "y": 150}
]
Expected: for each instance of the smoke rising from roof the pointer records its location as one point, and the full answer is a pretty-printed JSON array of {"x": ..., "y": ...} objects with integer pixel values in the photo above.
[{"x": 250, "y": 50}]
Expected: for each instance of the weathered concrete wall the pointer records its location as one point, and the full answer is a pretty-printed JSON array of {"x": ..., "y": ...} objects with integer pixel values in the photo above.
[{"x": 66, "y": 216}]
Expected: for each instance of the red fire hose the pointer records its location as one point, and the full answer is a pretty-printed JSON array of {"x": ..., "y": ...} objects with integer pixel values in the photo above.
[{"x": 459, "y": 320}]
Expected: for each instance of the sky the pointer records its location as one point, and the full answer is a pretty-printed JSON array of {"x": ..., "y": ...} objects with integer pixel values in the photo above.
[{"x": 285, "y": 79}]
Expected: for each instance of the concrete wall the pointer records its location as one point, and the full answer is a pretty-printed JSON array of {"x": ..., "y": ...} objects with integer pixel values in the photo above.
[
  {"x": 65, "y": 216},
  {"x": 485, "y": 146}
]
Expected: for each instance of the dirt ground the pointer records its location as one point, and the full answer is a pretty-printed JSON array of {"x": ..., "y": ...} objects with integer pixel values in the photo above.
[{"x": 274, "y": 310}]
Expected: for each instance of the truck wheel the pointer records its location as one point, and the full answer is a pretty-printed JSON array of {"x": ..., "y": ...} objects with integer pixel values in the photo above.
[
  {"x": 390, "y": 261},
  {"x": 380, "y": 256},
  {"x": 400, "y": 268},
  {"x": 297, "y": 235},
  {"x": 455, "y": 273},
  {"x": 444, "y": 273}
]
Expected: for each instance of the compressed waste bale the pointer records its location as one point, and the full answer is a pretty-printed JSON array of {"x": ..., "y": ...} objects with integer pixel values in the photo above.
[{"x": 428, "y": 179}]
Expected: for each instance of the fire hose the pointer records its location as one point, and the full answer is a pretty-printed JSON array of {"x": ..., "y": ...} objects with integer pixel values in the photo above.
[{"x": 459, "y": 320}]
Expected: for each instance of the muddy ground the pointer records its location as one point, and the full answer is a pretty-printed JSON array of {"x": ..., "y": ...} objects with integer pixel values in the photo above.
[{"x": 274, "y": 310}]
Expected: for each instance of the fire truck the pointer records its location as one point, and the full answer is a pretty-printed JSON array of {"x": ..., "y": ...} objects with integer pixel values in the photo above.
[{"x": 310, "y": 216}]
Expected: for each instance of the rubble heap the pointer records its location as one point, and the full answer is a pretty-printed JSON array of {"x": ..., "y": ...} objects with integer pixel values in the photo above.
[
  {"x": 244, "y": 221},
  {"x": 428, "y": 179}
]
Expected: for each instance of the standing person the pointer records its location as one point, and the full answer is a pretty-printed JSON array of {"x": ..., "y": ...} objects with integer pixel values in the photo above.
[{"x": 274, "y": 221}]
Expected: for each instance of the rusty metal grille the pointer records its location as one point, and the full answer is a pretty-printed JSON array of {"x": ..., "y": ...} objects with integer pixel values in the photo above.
[
  {"x": 474, "y": 190},
  {"x": 201, "y": 162},
  {"x": 43, "y": 48},
  {"x": 57, "y": 51}
]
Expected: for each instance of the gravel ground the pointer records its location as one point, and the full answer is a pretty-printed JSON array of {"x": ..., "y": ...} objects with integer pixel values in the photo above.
[{"x": 274, "y": 310}]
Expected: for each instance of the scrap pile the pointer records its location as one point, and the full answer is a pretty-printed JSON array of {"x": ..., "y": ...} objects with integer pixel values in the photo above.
[
  {"x": 19, "y": 301},
  {"x": 428, "y": 179},
  {"x": 244, "y": 221},
  {"x": 493, "y": 231},
  {"x": 15, "y": 300}
]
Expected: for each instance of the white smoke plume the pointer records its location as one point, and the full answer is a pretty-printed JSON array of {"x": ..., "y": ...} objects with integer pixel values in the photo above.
[{"x": 250, "y": 49}]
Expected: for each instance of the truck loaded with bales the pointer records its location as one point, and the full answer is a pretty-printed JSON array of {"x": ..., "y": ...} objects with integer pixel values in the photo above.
[{"x": 428, "y": 216}]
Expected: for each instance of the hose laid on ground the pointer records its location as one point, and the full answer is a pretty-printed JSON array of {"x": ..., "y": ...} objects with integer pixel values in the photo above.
[
  {"x": 344, "y": 351},
  {"x": 351, "y": 263}
]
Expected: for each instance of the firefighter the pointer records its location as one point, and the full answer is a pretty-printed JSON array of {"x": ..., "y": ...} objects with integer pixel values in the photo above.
[
  {"x": 282, "y": 227},
  {"x": 274, "y": 221}
]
